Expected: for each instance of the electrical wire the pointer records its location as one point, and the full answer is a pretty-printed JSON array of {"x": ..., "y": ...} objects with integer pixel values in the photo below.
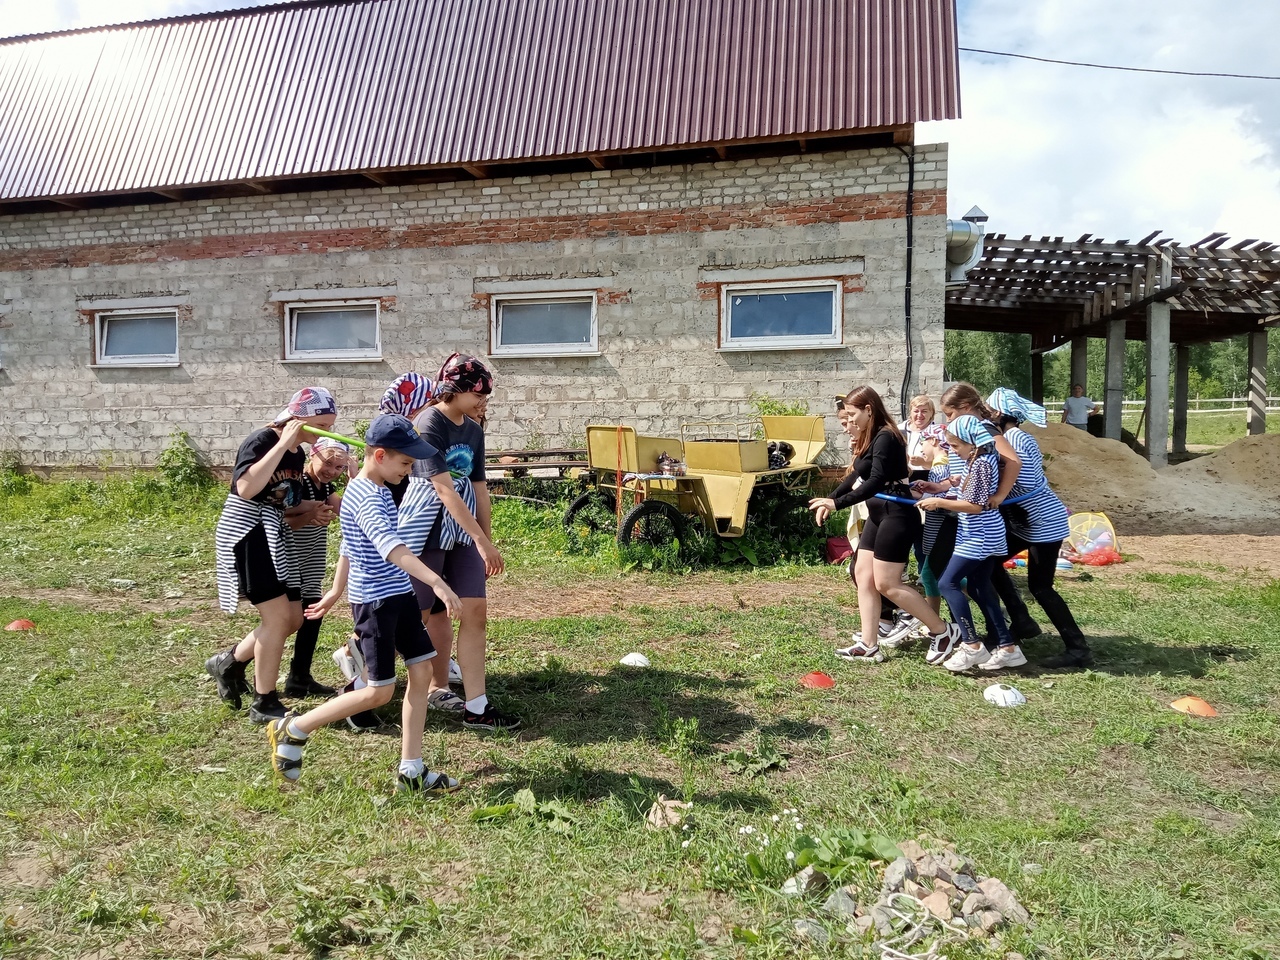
[{"x": 1109, "y": 66}]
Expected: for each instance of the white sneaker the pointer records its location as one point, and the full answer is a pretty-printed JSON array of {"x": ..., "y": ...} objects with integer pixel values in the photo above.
[
  {"x": 941, "y": 645},
  {"x": 455, "y": 674},
  {"x": 346, "y": 663},
  {"x": 860, "y": 651},
  {"x": 898, "y": 632},
  {"x": 966, "y": 658},
  {"x": 1004, "y": 658}
]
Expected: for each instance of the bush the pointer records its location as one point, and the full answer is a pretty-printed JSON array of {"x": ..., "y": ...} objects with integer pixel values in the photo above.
[{"x": 182, "y": 466}]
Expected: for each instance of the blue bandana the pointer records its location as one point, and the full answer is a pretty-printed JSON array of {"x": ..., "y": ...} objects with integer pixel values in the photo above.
[
  {"x": 1003, "y": 400},
  {"x": 971, "y": 430}
]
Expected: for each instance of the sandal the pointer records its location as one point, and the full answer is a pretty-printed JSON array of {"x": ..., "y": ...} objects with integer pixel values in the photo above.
[{"x": 283, "y": 746}]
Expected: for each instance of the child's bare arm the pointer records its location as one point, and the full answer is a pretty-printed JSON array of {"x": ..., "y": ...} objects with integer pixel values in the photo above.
[{"x": 318, "y": 609}]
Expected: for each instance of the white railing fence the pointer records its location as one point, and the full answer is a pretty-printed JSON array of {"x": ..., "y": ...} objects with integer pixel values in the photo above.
[{"x": 1209, "y": 405}]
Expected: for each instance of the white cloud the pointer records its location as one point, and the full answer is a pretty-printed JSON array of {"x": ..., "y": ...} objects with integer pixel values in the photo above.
[{"x": 1061, "y": 150}]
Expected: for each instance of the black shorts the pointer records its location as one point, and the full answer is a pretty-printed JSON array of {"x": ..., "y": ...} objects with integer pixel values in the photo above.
[
  {"x": 386, "y": 627},
  {"x": 461, "y": 568},
  {"x": 890, "y": 531},
  {"x": 256, "y": 571}
]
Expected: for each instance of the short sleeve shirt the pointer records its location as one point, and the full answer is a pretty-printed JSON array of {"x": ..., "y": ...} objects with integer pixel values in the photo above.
[
  {"x": 1078, "y": 409},
  {"x": 284, "y": 489},
  {"x": 460, "y": 446}
]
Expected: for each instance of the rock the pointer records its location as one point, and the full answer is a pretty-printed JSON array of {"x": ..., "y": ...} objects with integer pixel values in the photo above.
[
  {"x": 952, "y": 893},
  {"x": 1032, "y": 869},
  {"x": 1003, "y": 899},
  {"x": 807, "y": 880},
  {"x": 988, "y": 920},
  {"x": 665, "y": 813},
  {"x": 841, "y": 904},
  {"x": 913, "y": 889},
  {"x": 1011, "y": 955},
  {"x": 861, "y": 926},
  {"x": 957, "y": 863},
  {"x": 898, "y": 873},
  {"x": 812, "y": 931},
  {"x": 883, "y": 920},
  {"x": 913, "y": 851},
  {"x": 964, "y": 882},
  {"x": 120, "y": 584},
  {"x": 974, "y": 903},
  {"x": 938, "y": 905},
  {"x": 927, "y": 866}
]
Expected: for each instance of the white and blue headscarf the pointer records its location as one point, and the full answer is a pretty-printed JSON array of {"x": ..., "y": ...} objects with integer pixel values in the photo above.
[
  {"x": 1005, "y": 401},
  {"x": 407, "y": 393},
  {"x": 971, "y": 430}
]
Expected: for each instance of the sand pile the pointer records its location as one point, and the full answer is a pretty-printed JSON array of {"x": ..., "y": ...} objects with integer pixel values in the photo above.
[
  {"x": 1251, "y": 461},
  {"x": 1233, "y": 490}
]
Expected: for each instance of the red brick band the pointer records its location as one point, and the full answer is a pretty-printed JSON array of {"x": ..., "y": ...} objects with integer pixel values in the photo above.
[{"x": 872, "y": 206}]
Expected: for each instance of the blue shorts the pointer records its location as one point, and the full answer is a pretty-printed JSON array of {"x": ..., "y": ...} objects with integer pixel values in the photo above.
[{"x": 386, "y": 627}]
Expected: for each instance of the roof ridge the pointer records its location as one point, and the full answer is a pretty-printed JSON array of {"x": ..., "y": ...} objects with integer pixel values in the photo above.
[{"x": 185, "y": 18}]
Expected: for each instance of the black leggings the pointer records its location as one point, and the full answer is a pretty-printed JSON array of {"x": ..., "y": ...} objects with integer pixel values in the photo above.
[
  {"x": 304, "y": 644},
  {"x": 1042, "y": 566}
]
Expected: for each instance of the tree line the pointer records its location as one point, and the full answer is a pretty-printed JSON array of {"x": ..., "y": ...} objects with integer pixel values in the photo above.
[{"x": 990, "y": 360}]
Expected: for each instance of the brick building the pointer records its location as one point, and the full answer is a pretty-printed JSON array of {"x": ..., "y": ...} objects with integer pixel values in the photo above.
[{"x": 686, "y": 204}]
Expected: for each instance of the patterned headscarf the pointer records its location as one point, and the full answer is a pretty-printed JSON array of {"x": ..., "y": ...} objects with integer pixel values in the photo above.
[
  {"x": 307, "y": 402},
  {"x": 407, "y": 393},
  {"x": 464, "y": 374},
  {"x": 327, "y": 443},
  {"x": 1005, "y": 401},
  {"x": 971, "y": 430},
  {"x": 936, "y": 432}
]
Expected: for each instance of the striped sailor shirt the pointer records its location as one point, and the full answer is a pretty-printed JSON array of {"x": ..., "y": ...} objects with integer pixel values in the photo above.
[
  {"x": 369, "y": 534},
  {"x": 1046, "y": 514}
]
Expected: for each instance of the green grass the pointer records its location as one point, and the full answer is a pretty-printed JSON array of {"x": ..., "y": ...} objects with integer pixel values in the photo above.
[
  {"x": 1203, "y": 429},
  {"x": 138, "y": 817}
]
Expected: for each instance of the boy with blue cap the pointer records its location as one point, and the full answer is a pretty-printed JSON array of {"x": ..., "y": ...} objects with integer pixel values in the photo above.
[{"x": 387, "y": 621}]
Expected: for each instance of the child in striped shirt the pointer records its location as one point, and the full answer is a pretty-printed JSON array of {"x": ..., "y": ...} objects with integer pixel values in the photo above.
[
  {"x": 980, "y": 543},
  {"x": 384, "y": 608}
]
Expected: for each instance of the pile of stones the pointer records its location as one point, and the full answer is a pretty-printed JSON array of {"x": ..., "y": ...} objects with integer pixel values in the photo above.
[{"x": 926, "y": 898}]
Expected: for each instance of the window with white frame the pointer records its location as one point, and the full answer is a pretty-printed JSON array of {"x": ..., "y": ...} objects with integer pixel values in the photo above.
[
  {"x": 780, "y": 316},
  {"x": 544, "y": 324},
  {"x": 136, "y": 338},
  {"x": 338, "y": 330}
]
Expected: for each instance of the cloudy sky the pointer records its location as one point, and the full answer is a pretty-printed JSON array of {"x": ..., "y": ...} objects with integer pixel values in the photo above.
[{"x": 1048, "y": 149}]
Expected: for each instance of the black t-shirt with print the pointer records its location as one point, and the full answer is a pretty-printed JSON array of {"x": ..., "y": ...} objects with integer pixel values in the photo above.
[
  {"x": 460, "y": 446},
  {"x": 284, "y": 489}
]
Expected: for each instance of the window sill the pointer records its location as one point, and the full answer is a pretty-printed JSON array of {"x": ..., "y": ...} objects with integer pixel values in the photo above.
[
  {"x": 134, "y": 366},
  {"x": 521, "y": 355},
  {"x": 333, "y": 360},
  {"x": 770, "y": 347}
]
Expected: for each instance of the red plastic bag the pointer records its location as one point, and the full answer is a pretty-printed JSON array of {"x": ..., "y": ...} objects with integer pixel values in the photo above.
[
  {"x": 839, "y": 549},
  {"x": 1103, "y": 556}
]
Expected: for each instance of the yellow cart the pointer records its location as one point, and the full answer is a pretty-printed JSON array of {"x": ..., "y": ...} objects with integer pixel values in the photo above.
[{"x": 726, "y": 479}]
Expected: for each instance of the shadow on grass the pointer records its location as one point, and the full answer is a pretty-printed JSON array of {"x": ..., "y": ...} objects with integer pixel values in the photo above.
[
  {"x": 574, "y": 707},
  {"x": 1125, "y": 656}
]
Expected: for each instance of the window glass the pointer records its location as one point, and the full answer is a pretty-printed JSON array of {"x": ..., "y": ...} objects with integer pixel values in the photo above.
[
  {"x": 545, "y": 322},
  {"x": 151, "y": 335},
  {"x": 323, "y": 329},
  {"x": 791, "y": 313}
]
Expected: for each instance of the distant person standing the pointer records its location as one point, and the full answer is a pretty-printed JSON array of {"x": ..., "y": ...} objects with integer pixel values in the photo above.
[{"x": 1077, "y": 407}]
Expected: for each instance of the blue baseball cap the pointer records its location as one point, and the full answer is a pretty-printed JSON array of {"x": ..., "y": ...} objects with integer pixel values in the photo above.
[{"x": 394, "y": 432}]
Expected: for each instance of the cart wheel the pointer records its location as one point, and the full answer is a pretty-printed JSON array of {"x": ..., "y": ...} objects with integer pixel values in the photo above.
[
  {"x": 596, "y": 510},
  {"x": 653, "y": 522}
]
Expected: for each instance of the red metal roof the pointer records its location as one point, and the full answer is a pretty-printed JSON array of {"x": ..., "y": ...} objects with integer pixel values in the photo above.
[{"x": 312, "y": 88}]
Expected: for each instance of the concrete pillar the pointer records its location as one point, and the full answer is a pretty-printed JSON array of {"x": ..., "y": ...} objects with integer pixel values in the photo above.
[
  {"x": 1079, "y": 363},
  {"x": 1113, "y": 394},
  {"x": 1037, "y": 377},
  {"x": 1157, "y": 438},
  {"x": 1256, "y": 421},
  {"x": 1181, "y": 375}
]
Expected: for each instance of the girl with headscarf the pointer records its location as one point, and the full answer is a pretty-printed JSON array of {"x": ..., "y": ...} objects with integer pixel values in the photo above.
[
  {"x": 253, "y": 557},
  {"x": 408, "y": 395},
  {"x": 980, "y": 540},
  {"x": 879, "y": 466},
  {"x": 1046, "y": 526},
  {"x": 458, "y": 545}
]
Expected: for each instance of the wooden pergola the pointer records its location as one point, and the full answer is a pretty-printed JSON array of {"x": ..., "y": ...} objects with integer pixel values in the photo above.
[{"x": 1155, "y": 290}]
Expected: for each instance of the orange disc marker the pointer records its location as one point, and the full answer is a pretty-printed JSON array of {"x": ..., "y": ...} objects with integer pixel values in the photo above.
[
  {"x": 21, "y": 625},
  {"x": 1194, "y": 706},
  {"x": 817, "y": 681}
]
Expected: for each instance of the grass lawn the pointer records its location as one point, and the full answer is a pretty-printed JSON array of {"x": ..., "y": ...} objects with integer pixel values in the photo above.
[{"x": 139, "y": 817}]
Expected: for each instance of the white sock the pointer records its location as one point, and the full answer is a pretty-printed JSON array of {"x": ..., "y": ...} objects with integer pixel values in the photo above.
[
  {"x": 412, "y": 768},
  {"x": 294, "y": 732},
  {"x": 478, "y": 704}
]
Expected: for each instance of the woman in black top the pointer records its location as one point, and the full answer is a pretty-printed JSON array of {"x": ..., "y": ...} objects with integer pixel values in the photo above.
[{"x": 880, "y": 462}]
